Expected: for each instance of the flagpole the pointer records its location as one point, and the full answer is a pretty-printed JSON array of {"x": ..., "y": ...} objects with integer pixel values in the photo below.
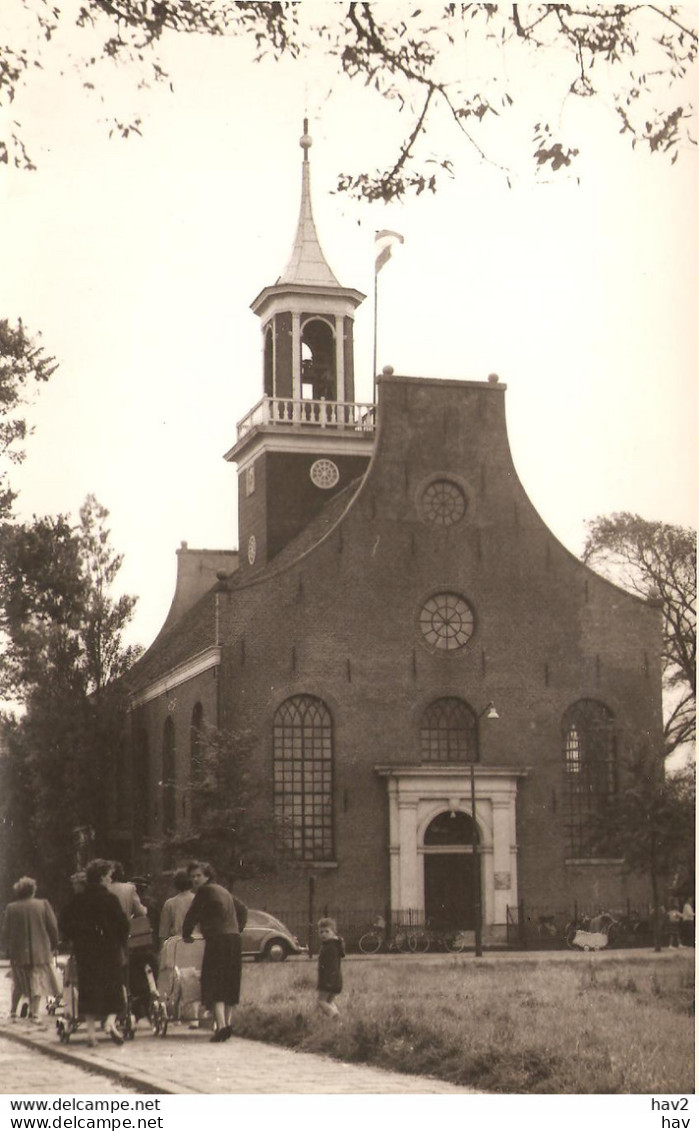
[
  {"x": 376, "y": 323},
  {"x": 383, "y": 256}
]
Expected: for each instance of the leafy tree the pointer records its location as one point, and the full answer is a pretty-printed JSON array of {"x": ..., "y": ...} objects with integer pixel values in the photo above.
[
  {"x": 55, "y": 604},
  {"x": 23, "y": 365},
  {"x": 229, "y": 821},
  {"x": 64, "y": 651},
  {"x": 656, "y": 559},
  {"x": 469, "y": 63},
  {"x": 650, "y": 821}
]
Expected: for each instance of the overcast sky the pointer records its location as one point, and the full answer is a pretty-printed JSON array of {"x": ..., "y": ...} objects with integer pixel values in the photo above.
[{"x": 137, "y": 261}]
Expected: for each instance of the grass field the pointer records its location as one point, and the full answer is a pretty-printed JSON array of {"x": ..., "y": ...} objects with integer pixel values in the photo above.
[{"x": 598, "y": 1023}]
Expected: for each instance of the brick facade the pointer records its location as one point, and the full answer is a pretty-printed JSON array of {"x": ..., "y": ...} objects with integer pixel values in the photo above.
[
  {"x": 374, "y": 626},
  {"x": 339, "y": 620}
]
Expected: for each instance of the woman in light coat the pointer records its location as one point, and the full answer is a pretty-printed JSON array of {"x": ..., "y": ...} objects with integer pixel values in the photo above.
[{"x": 31, "y": 937}]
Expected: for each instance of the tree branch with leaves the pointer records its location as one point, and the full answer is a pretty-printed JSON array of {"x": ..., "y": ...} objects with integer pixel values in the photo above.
[
  {"x": 657, "y": 560},
  {"x": 228, "y": 811},
  {"x": 24, "y": 366},
  {"x": 650, "y": 822},
  {"x": 64, "y": 653},
  {"x": 475, "y": 63}
]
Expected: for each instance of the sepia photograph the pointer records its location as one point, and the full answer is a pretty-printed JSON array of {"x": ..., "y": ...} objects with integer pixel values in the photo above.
[{"x": 348, "y": 412}]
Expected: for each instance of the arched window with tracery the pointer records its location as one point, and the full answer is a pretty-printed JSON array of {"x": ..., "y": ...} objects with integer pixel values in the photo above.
[
  {"x": 590, "y": 767},
  {"x": 448, "y": 732},
  {"x": 196, "y": 767},
  {"x": 169, "y": 783},
  {"x": 303, "y": 777},
  {"x": 140, "y": 777}
]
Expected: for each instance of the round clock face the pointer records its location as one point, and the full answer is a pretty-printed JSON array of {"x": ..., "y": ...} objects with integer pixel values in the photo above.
[
  {"x": 443, "y": 502},
  {"x": 324, "y": 474},
  {"x": 446, "y": 622},
  {"x": 252, "y": 549}
]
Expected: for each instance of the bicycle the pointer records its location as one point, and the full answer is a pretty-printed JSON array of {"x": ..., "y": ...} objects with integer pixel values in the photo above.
[
  {"x": 546, "y": 927},
  {"x": 417, "y": 940},
  {"x": 422, "y": 939},
  {"x": 375, "y": 940}
]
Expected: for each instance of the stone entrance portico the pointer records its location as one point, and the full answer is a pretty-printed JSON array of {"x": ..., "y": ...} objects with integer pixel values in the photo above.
[{"x": 418, "y": 794}]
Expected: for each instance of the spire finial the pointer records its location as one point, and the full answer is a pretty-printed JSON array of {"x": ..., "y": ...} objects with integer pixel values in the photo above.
[{"x": 306, "y": 141}]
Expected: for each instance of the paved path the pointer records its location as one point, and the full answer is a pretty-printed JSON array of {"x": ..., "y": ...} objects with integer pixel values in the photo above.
[
  {"x": 184, "y": 1062},
  {"x": 24, "y": 1071}
]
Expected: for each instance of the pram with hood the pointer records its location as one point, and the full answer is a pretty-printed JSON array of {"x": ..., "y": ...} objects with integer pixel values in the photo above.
[
  {"x": 141, "y": 972},
  {"x": 140, "y": 992},
  {"x": 590, "y": 934},
  {"x": 179, "y": 980},
  {"x": 66, "y": 1012}
]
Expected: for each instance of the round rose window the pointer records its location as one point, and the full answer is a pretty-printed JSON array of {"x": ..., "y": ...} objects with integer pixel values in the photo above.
[
  {"x": 324, "y": 473},
  {"x": 446, "y": 622},
  {"x": 443, "y": 502}
]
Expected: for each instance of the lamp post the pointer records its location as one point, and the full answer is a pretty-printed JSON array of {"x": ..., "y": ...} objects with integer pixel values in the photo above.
[{"x": 488, "y": 712}]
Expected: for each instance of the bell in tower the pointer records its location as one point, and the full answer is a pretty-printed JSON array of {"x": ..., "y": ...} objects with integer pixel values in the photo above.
[{"x": 308, "y": 437}]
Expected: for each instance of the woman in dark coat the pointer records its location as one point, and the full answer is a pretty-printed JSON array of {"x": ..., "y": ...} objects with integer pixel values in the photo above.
[
  {"x": 98, "y": 929},
  {"x": 220, "y": 918}
]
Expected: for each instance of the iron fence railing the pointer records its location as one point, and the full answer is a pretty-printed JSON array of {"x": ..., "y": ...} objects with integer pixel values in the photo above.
[
  {"x": 527, "y": 927},
  {"x": 543, "y": 928}
]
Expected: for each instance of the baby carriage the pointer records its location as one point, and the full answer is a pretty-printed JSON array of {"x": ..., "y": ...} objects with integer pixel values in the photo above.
[
  {"x": 179, "y": 980},
  {"x": 144, "y": 1000},
  {"x": 65, "y": 1007},
  {"x": 590, "y": 934}
]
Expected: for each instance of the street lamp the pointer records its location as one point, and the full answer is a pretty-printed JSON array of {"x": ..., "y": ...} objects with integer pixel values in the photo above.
[{"x": 488, "y": 712}]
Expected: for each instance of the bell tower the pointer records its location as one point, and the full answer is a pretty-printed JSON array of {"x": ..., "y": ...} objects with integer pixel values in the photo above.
[{"x": 307, "y": 438}]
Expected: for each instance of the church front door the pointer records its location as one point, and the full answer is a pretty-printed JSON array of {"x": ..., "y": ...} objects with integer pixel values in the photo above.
[{"x": 449, "y": 891}]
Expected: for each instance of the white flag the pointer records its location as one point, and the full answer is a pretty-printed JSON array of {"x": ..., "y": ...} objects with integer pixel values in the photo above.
[{"x": 384, "y": 243}]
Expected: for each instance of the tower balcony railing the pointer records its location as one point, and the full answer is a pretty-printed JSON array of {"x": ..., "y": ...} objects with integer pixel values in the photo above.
[{"x": 287, "y": 411}]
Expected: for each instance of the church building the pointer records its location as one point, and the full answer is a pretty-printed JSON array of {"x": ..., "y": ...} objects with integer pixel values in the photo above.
[{"x": 440, "y": 697}]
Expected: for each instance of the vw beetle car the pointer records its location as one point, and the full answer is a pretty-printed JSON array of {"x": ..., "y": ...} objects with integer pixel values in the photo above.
[{"x": 265, "y": 937}]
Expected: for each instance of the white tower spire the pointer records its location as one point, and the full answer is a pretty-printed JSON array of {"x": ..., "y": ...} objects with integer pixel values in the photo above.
[{"x": 307, "y": 264}]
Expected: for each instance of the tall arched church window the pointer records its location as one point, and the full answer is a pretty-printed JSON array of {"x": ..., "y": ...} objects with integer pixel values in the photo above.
[
  {"x": 168, "y": 778},
  {"x": 196, "y": 767},
  {"x": 303, "y": 777},
  {"x": 318, "y": 370},
  {"x": 590, "y": 767},
  {"x": 122, "y": 784},
  {"x": 140, "y": 777},
  {"x": 448, "y": 732}
]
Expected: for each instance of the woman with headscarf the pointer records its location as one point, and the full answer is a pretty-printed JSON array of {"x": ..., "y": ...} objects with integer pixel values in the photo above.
[
  {"x": 31, "y": 936},
  {"x": 98, "y": 929}
]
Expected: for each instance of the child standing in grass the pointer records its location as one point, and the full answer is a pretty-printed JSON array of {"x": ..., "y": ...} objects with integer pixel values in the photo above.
[{"x": 330, "y": 955}]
